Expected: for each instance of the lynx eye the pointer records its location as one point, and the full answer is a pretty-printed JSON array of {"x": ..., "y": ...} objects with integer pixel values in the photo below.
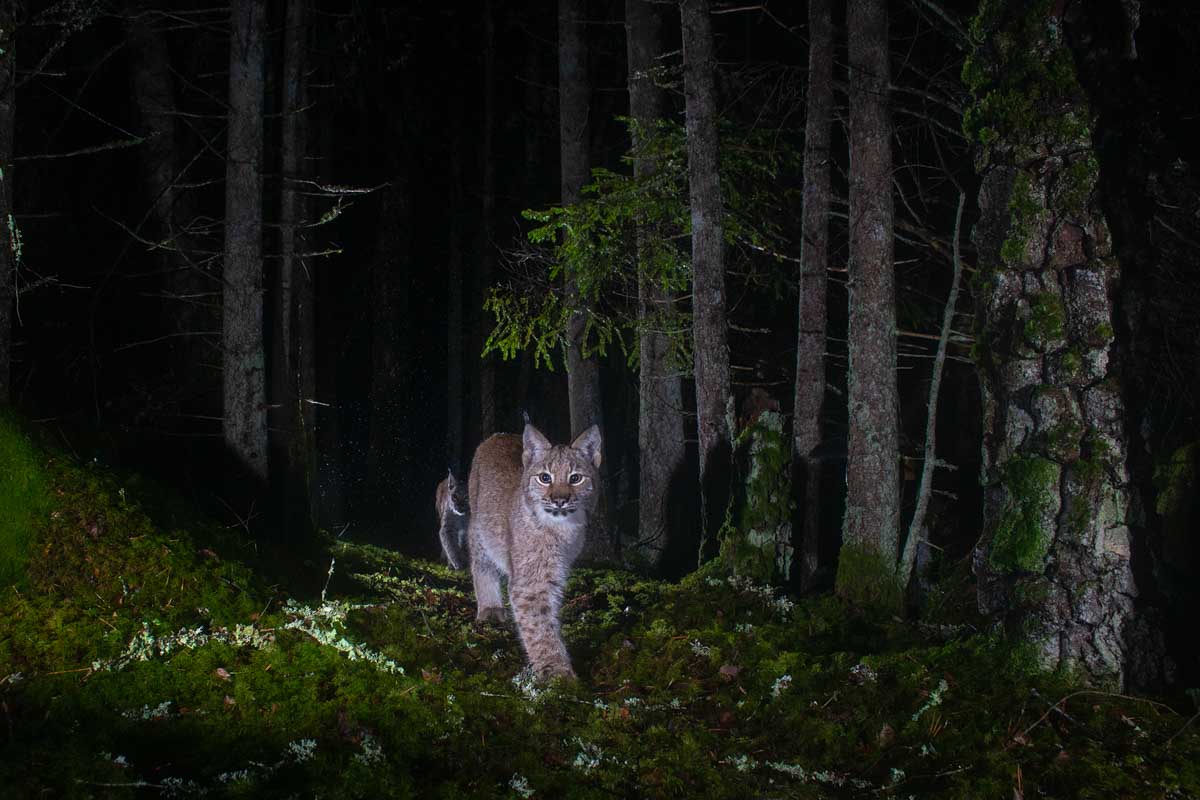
[
  {"x": 575, "y": 479},
  {"x": 545, "y": 478}
]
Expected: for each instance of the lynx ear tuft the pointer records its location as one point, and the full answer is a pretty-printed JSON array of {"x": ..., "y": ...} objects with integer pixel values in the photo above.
[
  {"x": 451, "y": 481},
  {"x": 534, "y": 444},
  {"x": 588, "y": 443}
]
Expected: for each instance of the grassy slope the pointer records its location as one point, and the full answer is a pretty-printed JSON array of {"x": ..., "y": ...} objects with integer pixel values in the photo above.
[{"x": 139, "y": 661}]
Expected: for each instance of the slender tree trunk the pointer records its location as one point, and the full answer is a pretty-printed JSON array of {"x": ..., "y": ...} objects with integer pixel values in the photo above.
[
  {"x": 455, "y": 332},
  {"x": 190, "y": 293},
  {"x": 245, "y": 414},
  {"x": 9, "y": 242},
  {"x": 386, "y": 453},
  {"x": 814, "y": 264},
  {"x": 871, "y": 531},
  {"x": 710, "y": 328},
  {"x": 660, "y": 392},
  {"x": 583, "y": 373},
  {"x": 1054, "y": 558},
  {"x": 486, "y": 387},
  {"x": 293, "y": 373}
]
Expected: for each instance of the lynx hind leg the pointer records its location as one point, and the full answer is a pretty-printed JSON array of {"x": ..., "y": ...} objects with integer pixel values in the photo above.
[
  {"x": 489, "y": 602},
  {"x": 535, "y": 608}
]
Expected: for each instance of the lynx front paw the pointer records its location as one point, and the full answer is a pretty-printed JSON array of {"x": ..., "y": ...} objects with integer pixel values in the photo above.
[
  {"x": 491, "y": 614},
  {"x": 548, "y": 672}
]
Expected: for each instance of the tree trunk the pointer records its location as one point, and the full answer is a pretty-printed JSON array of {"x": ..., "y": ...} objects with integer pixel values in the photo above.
[
  {"x": 486, "y": 386},
  {"x": 245, "y": 414},
  {"x": 661, "y": 449},
  {"x": 9, "y": 243},
  {"x": 583, "y": 373},
  {"x": 814, "y": 263},
  {"x": 189, "y": 292},
  {"x": 386, "y": 450},
  {"x": 456, "y": 334},
  {"x": 871, "y": 531},
  {"x": 710, "y": 329},
  {"x": 293, "y": 374},
  {"x": 1054, "y": 557}
]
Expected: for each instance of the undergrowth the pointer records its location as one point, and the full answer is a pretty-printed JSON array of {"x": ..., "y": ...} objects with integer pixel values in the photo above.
[{"x": 141, "y": 660}]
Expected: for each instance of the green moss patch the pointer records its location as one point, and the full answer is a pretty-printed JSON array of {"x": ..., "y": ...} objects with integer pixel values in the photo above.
[
  {"x": 1022, "y": 538},
  {"x": 23, "y": 498},
  {"x": 137, "y": 664}
]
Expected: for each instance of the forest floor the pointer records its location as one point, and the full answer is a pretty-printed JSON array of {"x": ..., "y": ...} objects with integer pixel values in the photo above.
[{"x": 145, "y": 651}]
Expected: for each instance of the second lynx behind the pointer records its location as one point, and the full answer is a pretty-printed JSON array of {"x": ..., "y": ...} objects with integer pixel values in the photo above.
[{"x": 530, "y": 502}]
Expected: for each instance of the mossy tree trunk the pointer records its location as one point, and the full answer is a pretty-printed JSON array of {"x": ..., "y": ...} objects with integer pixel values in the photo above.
[
  {"x": 814, "y": 262},
  {"x": 9, "y": 243},
  {"x": 660, "y": 392},
  {"x": 243, "y": 365},
  {"x": 871, "y": 530},
  {"x": 709, "y": 324},
  {"x": 1054, "y": 557}
]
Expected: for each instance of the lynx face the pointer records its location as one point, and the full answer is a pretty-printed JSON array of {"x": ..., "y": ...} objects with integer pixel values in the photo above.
[{"x": 560, "y": 482}]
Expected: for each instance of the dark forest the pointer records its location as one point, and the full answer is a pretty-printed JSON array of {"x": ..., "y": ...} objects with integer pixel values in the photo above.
[{"x": 885, "y": 314}]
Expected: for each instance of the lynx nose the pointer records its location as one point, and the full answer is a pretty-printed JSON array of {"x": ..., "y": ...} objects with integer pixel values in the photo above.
[{"x": 559, "y": 502}]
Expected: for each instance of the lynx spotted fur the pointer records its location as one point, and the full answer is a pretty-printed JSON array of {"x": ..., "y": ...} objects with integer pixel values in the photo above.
[{"x": 530, "y": 502}]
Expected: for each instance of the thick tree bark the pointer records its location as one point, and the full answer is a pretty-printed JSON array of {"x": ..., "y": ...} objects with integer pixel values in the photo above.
[
  {"x": 245, "y": 414},
  {"x": 709, "y": 326},
  {"x": 486, "y": 384},
  {"x": 9, "y": 248},
  {"x": 1054, "y": 557},
  {"x": 189, "y": 310},
  {"x": 814, "y": 264},
  {"x": 871, "y": 530},
  {"x": 661, "y": 448},
  {"x": 574, "y": 92},
  {"x": 293, "y": 366}
]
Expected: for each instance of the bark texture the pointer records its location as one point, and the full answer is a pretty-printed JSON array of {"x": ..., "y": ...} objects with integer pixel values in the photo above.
[
  {"x": 661, "y": 449},
  {"x": 245, "y": 413},
  {"x": 814, "y": 263},
  {"x": 872, "y": 468},
  {"x": 1054, "y": 559},
  {"x": 293, "y": 366},
  {"x": 574, "y": 93},
  {"x": 9, "y": 241},
  {"x": 710, "y": 327}
]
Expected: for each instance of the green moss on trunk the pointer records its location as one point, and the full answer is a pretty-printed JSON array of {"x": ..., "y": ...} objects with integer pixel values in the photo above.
[{"x": 1021, "y": 539}]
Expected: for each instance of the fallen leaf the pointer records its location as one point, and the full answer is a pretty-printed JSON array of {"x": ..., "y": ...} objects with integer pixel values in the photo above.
[
  {"x": 729, "y": 671},
  {"x": 223, "y": 674},
  {"x": 885, "y": 737}
]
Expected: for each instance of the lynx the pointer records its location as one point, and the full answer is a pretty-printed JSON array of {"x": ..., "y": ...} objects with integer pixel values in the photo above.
[
  {"x": 452, "y": 520},
  {"x": 530, "y": 503}
]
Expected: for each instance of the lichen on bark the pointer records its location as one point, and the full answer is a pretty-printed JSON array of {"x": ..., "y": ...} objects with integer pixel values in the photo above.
[{"x": 1054, "y": 558}]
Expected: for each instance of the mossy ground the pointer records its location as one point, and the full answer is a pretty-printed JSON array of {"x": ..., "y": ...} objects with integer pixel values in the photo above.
[{"x": 140, "y": 661}]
